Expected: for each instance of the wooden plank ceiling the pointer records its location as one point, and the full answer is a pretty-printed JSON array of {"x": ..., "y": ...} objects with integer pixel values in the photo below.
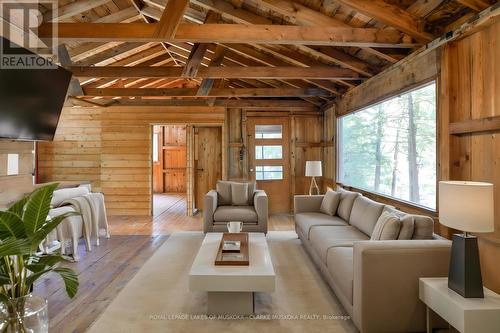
[{"x": 253, "y": 53}]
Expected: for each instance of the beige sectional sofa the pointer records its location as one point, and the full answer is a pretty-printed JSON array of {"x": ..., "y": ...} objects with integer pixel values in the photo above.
[{"x": 375, "y": 280}]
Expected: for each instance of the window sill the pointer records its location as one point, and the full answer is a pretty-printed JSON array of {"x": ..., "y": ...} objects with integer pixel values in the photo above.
[{"x": 402, "y": 205}]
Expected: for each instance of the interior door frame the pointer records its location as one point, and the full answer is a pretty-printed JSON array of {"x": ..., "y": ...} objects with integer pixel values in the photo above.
[{"x": 190, "y": 145}]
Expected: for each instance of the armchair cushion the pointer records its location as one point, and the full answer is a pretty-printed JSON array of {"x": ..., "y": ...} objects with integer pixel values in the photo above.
[
  {"x": 235, "y": 213},
  {"x": 239, "y": 194},
  {"x": 224, "y": 193}
]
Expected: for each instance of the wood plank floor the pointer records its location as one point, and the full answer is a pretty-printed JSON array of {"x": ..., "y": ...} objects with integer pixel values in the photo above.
[{"x": 107, "y": 269}]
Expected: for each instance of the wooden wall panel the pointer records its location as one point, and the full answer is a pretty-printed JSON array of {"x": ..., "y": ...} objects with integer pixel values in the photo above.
[
  {"x": 75, "y": 153},
  {"x": 14, "y": 187},
  {"x": 470, "y": 89},
  {"x": 306, "y": 146},
  {"x": 406, "y": 74},
  {"x": 111, "y": 147}
]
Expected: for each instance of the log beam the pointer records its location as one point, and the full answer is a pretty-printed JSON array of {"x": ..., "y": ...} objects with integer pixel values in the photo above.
[
  {"x": 170, "y": 19},
  {"x": 218, "y": 72},
  {"x": 230, "y": 33},
  {"x": 219, "y": 92}
]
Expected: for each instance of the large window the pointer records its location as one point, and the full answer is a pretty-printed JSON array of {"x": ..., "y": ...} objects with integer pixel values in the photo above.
[{"x": 390, "y": 147}]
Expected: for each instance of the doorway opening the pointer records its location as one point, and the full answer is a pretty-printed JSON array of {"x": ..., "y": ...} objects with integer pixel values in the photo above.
[{"x": 169, "y": 168}]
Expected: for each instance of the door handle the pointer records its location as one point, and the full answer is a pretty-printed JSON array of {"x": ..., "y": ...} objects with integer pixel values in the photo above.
[{"x": 198, "y": 169}]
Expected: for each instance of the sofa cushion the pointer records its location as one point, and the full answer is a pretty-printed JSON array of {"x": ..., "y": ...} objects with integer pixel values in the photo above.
[
  {"x": 346, "y": 201},
  {"x": 223, "y": 193},
  {"x": 235, "y": 213},
  {"x": 340, "y": 264},
  {"x": 387, "y": 227},
  {"x": 239, "y": 194},
  {"x": 252, "y": 187},
  {"x": 365, "y": 213},
  {"x": 423, "y": 225},
  {"x": 306, "y": 221},
  {"x": 407, "y": 227},
  {"x": 330, "y": 202},
  {"x": 67, "y": 193},
  {"x": 325, "y": 237}
]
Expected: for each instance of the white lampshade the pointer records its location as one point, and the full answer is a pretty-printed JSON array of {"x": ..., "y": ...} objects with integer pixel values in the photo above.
[
  {"x": 313, "y": 169},
  {"x": 466, "y": 206}
]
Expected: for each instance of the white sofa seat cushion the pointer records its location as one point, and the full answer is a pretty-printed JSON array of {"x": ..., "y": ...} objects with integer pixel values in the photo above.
[
  {"x": 340, "y": 264},
  {"x": 325, "y": 237},
  {"x": 306, "y": 221},
  {"x": 365, "y": 213},
  {"x": 235, "y": 213}
]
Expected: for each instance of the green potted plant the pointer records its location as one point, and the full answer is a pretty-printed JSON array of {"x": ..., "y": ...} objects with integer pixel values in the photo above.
[{"x": 23, "y": 227}]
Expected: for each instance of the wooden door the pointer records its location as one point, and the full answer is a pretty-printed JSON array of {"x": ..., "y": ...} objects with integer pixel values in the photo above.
[
  {"x": 269, "y": 159},
  {"x": 169, "y": 158},
  {"x": 207, "y": 161}
]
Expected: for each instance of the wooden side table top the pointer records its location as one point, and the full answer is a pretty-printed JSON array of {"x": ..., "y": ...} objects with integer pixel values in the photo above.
[{"x": 464, "y": 314}]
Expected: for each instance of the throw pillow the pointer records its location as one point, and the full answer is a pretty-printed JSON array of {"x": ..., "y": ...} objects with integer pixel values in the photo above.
[
  {"x": 239, "y": 194},
  {"x": 346, "y": 201},
  {"x": 223, "y": 193},
  {"x": 407, "y": 227},
  {"x": 387, "y": 227},
  {"x": 330, "y": 202}
]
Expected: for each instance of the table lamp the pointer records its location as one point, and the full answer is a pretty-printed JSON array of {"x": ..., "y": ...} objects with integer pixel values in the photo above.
[
  {"x": 468, "y": 207},
  {"x": 313, "y": 169}
]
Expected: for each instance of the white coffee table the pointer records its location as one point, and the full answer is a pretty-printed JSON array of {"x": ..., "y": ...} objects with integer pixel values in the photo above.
[{"x": 231, "y": 288}]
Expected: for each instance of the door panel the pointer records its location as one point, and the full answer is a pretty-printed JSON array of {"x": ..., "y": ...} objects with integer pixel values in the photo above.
[
  {"x": 207, "y": 161},
  {"x": 269, "y": 159}
]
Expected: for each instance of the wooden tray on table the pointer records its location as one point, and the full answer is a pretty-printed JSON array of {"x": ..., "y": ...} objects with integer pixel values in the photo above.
[{"x": 233, "y": 258}]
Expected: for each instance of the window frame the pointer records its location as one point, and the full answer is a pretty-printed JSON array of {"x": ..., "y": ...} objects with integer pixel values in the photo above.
[{"x": 339, "y": 149}]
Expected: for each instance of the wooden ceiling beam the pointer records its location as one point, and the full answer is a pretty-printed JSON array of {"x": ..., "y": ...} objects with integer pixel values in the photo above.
[
  {"x": 477, "y": 5},
  {"x": 217, "y": 72},
  {"x": 198, "y": 50},
  {"x": 391, "y": 15},
  {"x": 207, "y": 83},
  {"x": 72, "y": 9},
  {"x": 230, "y": 33},
  {"x": 170, "y": 19},
  {"x": 299, "y": 14},
  {"x": 248, "y": 104},
  {"x": 219, "y": 92}
]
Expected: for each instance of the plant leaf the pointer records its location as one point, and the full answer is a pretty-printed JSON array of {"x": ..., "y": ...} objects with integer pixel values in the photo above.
[
  {"x": 43, "y": 262},
  {"x": 11, "y": 225},
  {"x": 70, "y": 280},
  {"x": 37, "y": 208},
  {"x": 47, "y": 227},
  {"x": 15, "y": 247},
  {"x": 18, "y": 207}
]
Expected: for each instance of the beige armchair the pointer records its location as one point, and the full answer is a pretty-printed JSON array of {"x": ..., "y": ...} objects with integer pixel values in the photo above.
[{"x": 234, "y": 201}]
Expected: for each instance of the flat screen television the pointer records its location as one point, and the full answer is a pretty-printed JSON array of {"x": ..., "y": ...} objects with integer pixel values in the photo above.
[{"x": 31, "y": 99}]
